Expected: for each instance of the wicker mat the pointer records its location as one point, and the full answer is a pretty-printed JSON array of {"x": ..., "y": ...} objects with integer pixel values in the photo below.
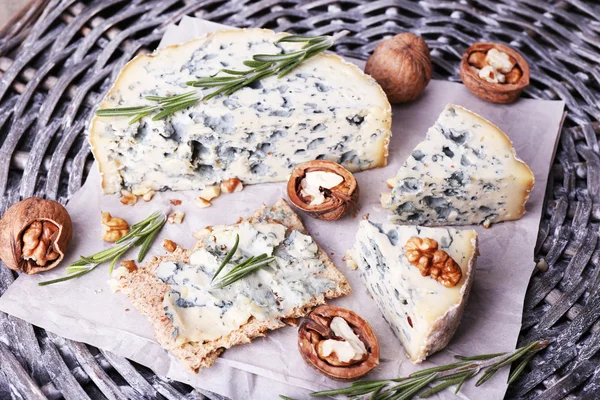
[{"x": 58, "y": 58}]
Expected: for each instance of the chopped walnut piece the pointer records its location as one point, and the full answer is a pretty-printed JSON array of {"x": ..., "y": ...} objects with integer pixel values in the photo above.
[
  {"x": 202, "y": 203},
  {"x": 128, "y": 198},
  {"x": 202, "y": 233},
  {"x": 232, "y": 185},
  {"x": 169, "y": 245},
  {"x": 113, "y": 228},
  {"x": 210, "y": 192},
  {"x": 176, "y": 217},
  {"x": 149, "y": 196},
  {"x": 175, "y": 202},
  {"x": 129, "y": 264},
  {"x": 425, "y": 255}
]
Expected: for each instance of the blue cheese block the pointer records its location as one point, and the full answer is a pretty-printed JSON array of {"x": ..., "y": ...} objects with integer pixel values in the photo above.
[
  {"x": 423, "y": 313},
  {"x": 324, "y": 109},
  {"x": 466, "y": 171},
  {"x": 197, "y": 320}
]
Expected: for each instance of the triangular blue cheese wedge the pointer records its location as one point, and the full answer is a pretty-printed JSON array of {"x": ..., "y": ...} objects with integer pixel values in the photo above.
[
  {"x": 422, "y": 311},
  {"x": 465, "y": 172},
  {"x": 326, "y": 108}
]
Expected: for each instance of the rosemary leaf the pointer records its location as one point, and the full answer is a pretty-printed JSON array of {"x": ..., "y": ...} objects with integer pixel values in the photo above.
[
  {"x": 440, "y": 387},
  {"x": 438, "y": 369},
  {"x": 228, "y": 256},
  {"x": 238, "y": 273},
  {"x": 519, "y": 369}
]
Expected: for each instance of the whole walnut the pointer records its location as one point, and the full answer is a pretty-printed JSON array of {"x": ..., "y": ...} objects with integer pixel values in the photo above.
[{"x": 402, "y": 67}]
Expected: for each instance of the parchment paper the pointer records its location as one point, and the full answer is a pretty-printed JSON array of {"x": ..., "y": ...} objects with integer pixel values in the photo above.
[{"x": 86, "y": 310}]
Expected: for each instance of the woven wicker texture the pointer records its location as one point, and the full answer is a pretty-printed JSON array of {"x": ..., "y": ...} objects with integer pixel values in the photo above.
[{"x": 58, "y": 58}]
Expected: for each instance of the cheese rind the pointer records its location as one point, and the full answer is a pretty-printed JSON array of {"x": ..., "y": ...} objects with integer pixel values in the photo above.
[
  {"x": 422, "y": 313},
  {"x": 326, "y": 108},
  {"x": 465, "y": 172}
]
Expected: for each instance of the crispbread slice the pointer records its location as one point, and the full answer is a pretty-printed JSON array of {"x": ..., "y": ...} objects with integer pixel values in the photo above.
[{"x": 146, "y": 292}]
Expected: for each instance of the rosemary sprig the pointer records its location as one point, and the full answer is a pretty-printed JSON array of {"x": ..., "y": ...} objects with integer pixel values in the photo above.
[
  {"x": 227, "y": 81},
  {"x": 242, "y": 269},
  {"x": 446, "y": 375},
  {"x": 265, "y": 65},
  {"x": 141, "y": 234},
  {"x": 165, "y": 106}
]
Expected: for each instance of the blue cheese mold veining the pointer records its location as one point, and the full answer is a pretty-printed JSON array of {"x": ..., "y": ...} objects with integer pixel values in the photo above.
[{"x": 200, "y": 312}]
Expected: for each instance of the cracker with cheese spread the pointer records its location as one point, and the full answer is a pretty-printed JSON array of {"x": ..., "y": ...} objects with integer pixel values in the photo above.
[{"x": 196, "y": 321}]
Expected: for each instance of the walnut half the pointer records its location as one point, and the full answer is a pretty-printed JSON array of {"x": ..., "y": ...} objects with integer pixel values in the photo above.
[
  {"x": 424, "y": 254},
  {"x": 320, "y": 329}
]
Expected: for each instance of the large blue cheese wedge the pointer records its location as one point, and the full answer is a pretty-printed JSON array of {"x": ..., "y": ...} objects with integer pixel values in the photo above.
[
  {"x": 422, "y": 312},
  {"x": 197, "y": 320},
  {"x": 465, "y": 172},
  {"x": 324, "y": 109}
]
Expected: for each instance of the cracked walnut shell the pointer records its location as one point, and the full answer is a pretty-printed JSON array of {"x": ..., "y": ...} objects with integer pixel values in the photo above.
[
  {"x": 34, "y": 235},
  {"x": 517, "y": 79},
  {"x": 315, "y": 329},
  {"x": 424, "y": 254},
  {"x": 337, "y": 201}
]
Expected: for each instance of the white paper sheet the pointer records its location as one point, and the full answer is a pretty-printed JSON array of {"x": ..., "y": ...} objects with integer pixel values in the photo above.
[{"x": 86, "y": 310}]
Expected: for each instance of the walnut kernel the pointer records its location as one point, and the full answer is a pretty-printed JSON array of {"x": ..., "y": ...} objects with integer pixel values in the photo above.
[
  {"x": 169, "y": 245},
  {"x": 425, "y": 255},
  {"x": 176, "y": 217},
  {"x": 37, "y": 242},
  {"x": 113, "y": 228},
  {"x": 149, "y": 196},
  {"x": 210, "y": 192},
  {"x": 129, "y": 264},
  {"x": 232, "y": 185},
  {"x": 128, "y": 198},
  {"x": 202, "y": 203},
  {"x": 175, "y": 202}
]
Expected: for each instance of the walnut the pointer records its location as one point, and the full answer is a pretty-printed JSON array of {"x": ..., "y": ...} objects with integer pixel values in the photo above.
[
  {"x": 175, "y": 202},
  {"x": 34, "y": 235},
  {"x": 402, "y": 67},
  {"x": 325, "y": 203},
  {"x": 202, "y": 203},
  {"x": 494, "y": 72},
  {"x": 232, "y": 185},
  {"x": 169, "y": 245},
  {"x": 128, "y": 198},
  {"x": 130, "y": 265},
  {"x": 316, "y": 329},
  {"x": 210, "y": 192},
  {"x": 176, "y": 217},
  {"x": 149, "y": 196},
  {"x": 113, "y": 228},
  {"x": 425, "y": 255}
]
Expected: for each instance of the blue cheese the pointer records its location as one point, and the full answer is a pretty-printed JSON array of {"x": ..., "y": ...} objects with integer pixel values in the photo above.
[
  {"x": 422, "y": 312},
  {"x": 200, "y": 312},
  {"x": 324, "y": 109},
  {"x": 464, "y": 172}
]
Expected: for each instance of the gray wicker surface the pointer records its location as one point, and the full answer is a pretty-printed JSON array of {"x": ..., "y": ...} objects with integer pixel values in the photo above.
[{"x": 57, "y": 58}]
